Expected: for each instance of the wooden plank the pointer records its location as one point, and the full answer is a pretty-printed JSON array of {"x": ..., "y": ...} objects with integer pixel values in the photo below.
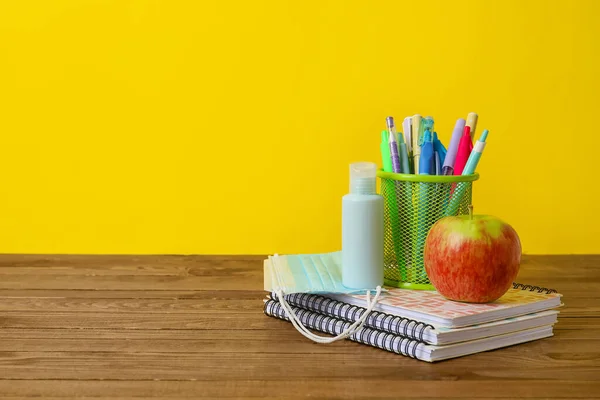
[
  {"x": 287, "y": 396},
  {"x": 257, "y": 342},
  {"x": 131, "y": 306},
  {"x": 187, "y": 267},
  {"x": 145, "y": 320},
  {"x": 279, "y": 336},
  {"x": 250, "y": 281},
  {"x": 343, "y": 388},
  {"x": 132, "y": 294},
  {"x": 103, "y": 261},
  {"x": 131, "y": 272},
  {"x": 207, "y": 302},
  {"x": 93, "y": 320}
]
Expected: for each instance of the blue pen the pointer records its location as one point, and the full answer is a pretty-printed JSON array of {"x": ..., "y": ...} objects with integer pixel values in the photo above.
[
  {"x": 427, "y": 125},
  {"x": 426, "y": 162},
  {"x": 439, "y": 148}
]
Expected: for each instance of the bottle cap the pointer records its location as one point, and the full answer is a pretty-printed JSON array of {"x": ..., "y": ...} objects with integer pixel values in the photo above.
[{"x": 363, "y": 178}]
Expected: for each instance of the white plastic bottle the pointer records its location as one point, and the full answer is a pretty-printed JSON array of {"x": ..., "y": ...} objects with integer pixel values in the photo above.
[{"x": 362, "y": 230}]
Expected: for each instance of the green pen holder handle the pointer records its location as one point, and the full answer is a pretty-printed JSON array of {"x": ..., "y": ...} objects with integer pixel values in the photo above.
[{"x": 412, "y": 204}]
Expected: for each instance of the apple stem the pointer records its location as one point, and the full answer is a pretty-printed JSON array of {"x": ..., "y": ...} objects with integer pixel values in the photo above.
[{"x": 471, "y": 211}]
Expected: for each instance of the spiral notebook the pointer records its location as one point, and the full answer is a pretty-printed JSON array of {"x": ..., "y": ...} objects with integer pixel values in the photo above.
[
  {"x": 427, "y": 333},
  {"x": 429, "y": 307},
  {"x": 403, "y": 345}
]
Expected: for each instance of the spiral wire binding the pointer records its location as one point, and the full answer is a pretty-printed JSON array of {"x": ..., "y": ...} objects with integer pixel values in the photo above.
[
  {"x": 531, "y": 288},
  {"x": 389, "y": 341},
  {"x": 349, "y": 312}
]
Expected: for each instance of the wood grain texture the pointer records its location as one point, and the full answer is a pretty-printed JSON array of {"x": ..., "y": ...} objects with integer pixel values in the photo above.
[{"x": 176, "y": 327}]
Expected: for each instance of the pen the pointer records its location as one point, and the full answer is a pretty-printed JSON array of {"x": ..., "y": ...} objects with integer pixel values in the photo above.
[
  {"x": 464, "y": 149},
  {"x": 475, "y": 154},
  {"x": 468, "y": 170},
  {"x": 439, "y": 148},
  {"x": 448, "y": 168},
  {"x": 407, "y": 128},
  {"x": 427, "y": 161},
  {"x": 394, "y": 154},
  {"x": 427, "y": 124},
  {"x": 396, "y": 161},
  {"x": 416, "y": 148},
  {"x": 389, "y": 122},
  {"x": 472, "y": 122},
  {"x": 402, "y": 152}
]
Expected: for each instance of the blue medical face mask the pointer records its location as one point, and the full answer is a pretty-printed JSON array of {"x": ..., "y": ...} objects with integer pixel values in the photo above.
[
  {"x": 306, "y": 273},
  {"x": 312, "y": 273}
]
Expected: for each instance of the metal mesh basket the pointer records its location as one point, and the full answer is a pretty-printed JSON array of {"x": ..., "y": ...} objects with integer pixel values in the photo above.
[{"x": 412, "y": 204}]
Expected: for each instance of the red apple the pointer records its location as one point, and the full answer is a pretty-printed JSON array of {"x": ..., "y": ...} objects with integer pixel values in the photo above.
[{"x": 472, "y": 258}]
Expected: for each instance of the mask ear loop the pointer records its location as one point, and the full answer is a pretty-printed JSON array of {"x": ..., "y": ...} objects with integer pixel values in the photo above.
[{"x": 321, "y": 339}]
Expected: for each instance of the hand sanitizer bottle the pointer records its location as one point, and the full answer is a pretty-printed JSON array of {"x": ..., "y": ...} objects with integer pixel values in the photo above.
[{"x": 362, "y": 230}]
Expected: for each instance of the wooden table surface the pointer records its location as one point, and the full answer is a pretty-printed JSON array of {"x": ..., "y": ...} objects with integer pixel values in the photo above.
[{"x": 193, "y": 327}]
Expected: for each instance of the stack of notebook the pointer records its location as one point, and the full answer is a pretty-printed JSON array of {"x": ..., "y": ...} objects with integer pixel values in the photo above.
[{"x": 426, "y": 326}]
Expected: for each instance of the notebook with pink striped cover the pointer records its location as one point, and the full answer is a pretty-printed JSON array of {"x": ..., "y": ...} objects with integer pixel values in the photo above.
[{"x": 431, "y": 307}]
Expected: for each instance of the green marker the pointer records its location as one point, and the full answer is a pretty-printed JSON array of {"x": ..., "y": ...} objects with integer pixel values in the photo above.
[{"x": 386, "y": 157}]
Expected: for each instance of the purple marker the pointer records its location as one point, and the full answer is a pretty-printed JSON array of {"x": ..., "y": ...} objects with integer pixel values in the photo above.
[
  {"x": 393, "y": 146},
  {"x": 394, "y": 153},
  {"x": 448, "y": 168}
]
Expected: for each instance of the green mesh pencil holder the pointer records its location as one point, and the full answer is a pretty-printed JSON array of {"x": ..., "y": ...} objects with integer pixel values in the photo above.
[{"x": 412, "y": 204}]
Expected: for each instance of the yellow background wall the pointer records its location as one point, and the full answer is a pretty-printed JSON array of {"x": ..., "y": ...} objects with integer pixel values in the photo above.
[{"x": 163, "y": 126}]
